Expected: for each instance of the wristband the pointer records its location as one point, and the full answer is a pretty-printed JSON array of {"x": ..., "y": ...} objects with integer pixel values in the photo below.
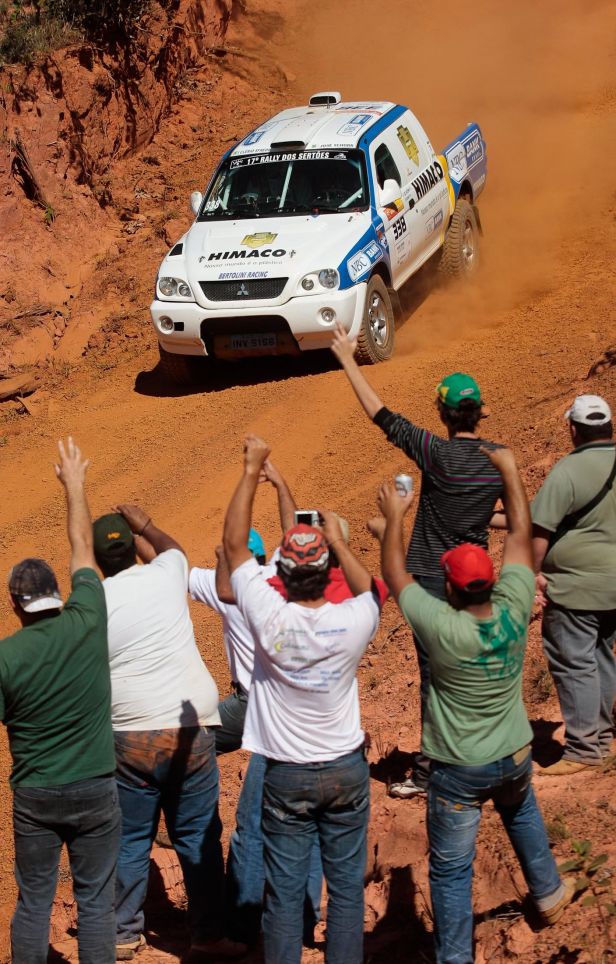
[{"x": 144, "y": 527}]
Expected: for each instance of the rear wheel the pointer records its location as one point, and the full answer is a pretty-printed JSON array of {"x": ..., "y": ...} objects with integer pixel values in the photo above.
[
  {"x": 179, "y": 369},
  {"x": 375, "y": 341},
  {"x": 460, "y": 258}
]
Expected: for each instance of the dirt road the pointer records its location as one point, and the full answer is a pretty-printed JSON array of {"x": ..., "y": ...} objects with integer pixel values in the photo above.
[{"x": 540, "y": 80}]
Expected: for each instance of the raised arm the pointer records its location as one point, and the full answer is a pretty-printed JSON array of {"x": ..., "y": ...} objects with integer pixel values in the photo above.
[
  {"x": 394, "y": 507},
  {"x": 71, "y": 470},
  {"x": 150, "y": 541},
  {"x": 286, "y": 502},
  {"x": 223, "y": 579},
  {"x": 355, "y": 573},
  {"x": 239, "y": 511},
  {"x": 343, "y": 348},
  {"x": 518, "y": 546}
]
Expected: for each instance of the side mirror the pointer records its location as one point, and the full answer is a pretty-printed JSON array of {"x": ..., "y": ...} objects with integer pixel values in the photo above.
[
  {"x": 195, "y": 201},
  {"x": 389, "y": 193}
]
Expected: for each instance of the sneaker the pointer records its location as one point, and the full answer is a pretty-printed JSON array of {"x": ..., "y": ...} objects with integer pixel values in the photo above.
[
  {"x": 564, "y": 768},
  {"x": 128, "y": 950},
  {"x": 554, "y": 913},
  {"x": 222, "y": 949},
  {"x": 406, "y": 789}
]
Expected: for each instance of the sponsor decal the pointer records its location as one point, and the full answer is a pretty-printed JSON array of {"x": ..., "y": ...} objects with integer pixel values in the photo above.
[
  {"x": 262, "y": 237},
  {"x": 249, "y": 160},
  {"x": 408, "y": 142},
  {"x": 366, "y": 108},
  {"x": 240, "y": 275},
  {"x": 480, "y": 182},
  {"x": 393, "y": 210},
  {"x": 233, "y": 255},
  {"x": 428, "y": 179},
  {"x": 473, "y": 147},
  {"x": 260, "y": 132},
  {"x": 434, "y": 222},
  {"x": 456, "y": 160},
  {"x": 355, "y": 124},
  {"x": 361, "y": 262}
]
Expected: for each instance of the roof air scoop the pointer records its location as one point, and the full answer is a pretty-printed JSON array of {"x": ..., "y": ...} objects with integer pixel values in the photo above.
[{"x": 325, "y": 98}]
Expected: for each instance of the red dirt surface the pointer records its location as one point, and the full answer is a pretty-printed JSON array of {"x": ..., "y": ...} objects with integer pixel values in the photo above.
[{"x": 540, "y": 80}]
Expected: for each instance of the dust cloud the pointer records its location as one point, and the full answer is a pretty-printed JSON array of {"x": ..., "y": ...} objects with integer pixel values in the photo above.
[{"x": 538, "y": 77}]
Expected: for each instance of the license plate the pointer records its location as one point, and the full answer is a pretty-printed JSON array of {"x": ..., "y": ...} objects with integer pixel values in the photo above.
[{"x": 253, "y": 341}]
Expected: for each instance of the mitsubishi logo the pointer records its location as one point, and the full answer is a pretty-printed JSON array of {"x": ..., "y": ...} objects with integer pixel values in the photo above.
[{"x": 242, "y": 292}]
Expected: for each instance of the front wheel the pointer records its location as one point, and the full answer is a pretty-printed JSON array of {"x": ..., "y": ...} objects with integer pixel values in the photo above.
[
  {"x": 375, "y": 341},
  {"x": 460, "y": 258},
  {"x": 179, "y": 369}
]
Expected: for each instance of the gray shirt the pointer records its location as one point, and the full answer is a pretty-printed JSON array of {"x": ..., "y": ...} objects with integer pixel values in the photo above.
[{"x": 581, "y": 568}]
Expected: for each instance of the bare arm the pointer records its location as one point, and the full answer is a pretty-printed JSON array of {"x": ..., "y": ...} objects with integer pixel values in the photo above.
[
  {"x": 541, "y": 541},
  {"x": 150, "y": 541},
  {"x": 355, "y": 573},
  {"x": 71, "y": 471},
  {"x": 518, "y": 545},
  {"x": 286, "y": 502},
  {"x": 394, "y": 507},
  {"x": 239, "y": 511},
  {"x": 344, "y": 350},
  {"x": 223, "y": 579},
  {"x": 499, "y": 520}
]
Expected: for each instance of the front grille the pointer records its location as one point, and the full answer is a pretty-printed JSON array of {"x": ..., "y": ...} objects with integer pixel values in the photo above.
[{"x": 248, "y": 290}]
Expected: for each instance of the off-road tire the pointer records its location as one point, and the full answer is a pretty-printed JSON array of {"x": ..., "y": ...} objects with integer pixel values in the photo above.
[
  {"x": 178, "y": 369},
  {"x": 460, "y": 257},
  {"x": 375, "y": 341}
]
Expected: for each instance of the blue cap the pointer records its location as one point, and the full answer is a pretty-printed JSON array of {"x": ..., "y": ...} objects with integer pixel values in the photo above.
[{"x": 255, "y": 543}]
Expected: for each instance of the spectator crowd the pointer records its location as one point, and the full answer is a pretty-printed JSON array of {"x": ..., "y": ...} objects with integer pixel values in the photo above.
[{"x": 114, "y": 718}]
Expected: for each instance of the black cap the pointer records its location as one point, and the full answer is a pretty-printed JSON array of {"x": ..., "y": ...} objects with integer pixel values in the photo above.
[
  {"x": 34, "y": 585},
  {"x": 112, "y": 537}
]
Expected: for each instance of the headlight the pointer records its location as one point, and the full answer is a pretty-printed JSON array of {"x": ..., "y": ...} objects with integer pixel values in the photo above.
[
  {"x": 174, "y": 287},
  {"x": 329, "y": 278}
]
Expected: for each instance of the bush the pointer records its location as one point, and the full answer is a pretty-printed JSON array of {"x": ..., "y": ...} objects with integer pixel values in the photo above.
[
  {"x": 27, "y": 33},
  {"x": 40, "y": 26}
]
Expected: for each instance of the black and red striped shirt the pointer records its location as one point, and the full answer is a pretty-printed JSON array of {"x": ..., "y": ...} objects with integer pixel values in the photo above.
[{"x": 459, "y": 488}]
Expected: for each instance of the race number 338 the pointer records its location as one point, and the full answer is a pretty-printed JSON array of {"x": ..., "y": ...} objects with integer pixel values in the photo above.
[{"x": 399, "y": 228}]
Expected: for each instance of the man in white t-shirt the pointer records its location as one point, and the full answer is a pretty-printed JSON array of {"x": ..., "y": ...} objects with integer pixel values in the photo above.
[
  {"x": 303, "y": 716},
  {"x": 164, "y": 711}
]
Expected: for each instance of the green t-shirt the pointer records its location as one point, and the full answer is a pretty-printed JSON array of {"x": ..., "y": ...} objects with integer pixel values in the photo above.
[
  {"x": 55, "y": 692},
  {"x": 581, "y": 568},
  {"x": 475, "y": 712}
]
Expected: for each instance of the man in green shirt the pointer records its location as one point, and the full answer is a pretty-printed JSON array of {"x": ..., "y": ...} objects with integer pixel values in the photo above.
[
  {"x": 574, "y": 517},
  {"x": 475, "y": 729},
  {"x": 55, "y": 701}
]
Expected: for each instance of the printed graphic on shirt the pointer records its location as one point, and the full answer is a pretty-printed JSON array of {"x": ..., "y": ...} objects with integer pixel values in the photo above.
[{"x": 503, "y": 645}]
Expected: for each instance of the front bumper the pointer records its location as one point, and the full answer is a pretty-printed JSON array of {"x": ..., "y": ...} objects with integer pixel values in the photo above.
[{"x": 199, "y": 331}]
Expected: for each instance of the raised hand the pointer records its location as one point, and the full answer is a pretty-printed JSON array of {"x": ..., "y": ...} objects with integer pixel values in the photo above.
[
  {"x": 256, "y": 452},
  {"x": 330, "y": 526},
  {"x": 391, "y": 503},
  {"x": 136, "y": 517},
  {"x": 342, "y": 346},
  {"x": 72, "y": 467},
  {"x": 502, "y": 459}
]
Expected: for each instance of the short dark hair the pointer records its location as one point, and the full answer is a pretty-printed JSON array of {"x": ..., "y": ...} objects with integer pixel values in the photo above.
[
  {"x": 592, "y": 433},
  {"x": 462, "y": 598},
  {"x": 464, "y": 418},
  {"x": 261, "y": 560},
  {"x": 111, "y": 567},
  {"x": 304, "y": 583}
]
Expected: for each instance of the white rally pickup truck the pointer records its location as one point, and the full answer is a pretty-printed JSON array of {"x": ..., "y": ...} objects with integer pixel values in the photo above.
[{"x": 319, "y": 215}]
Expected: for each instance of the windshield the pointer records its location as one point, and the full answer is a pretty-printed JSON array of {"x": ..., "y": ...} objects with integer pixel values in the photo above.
[{"x": 311, "y": 182}]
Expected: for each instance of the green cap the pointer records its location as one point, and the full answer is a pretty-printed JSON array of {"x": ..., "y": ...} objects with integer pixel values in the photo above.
[
  {"x": 112, "y": 536},
  {"x": 458, "y": 388}
]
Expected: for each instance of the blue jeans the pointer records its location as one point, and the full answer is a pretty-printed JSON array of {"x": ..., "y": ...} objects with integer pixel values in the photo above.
[
  {"x": 232, "y": 715},
  {"x": 86, "y": 817},
  {"x": 455, "y": 797},
  {"x": 176, "y": 771},
  {"x": 302, "y": 803},
  {"x": 245, "y": 883}
]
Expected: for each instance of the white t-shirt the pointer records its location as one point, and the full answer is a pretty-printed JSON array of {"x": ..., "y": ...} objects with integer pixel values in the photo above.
[
  {"x": 303, "y": 706},
  {"x": 158, "y": 679},
  {"x": 239, "y": 641}
]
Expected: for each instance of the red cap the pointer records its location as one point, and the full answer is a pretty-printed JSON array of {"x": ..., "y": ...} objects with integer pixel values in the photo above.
[
  {"x": 468, "y": 567},
  {"x": 303, "y": 546}
]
